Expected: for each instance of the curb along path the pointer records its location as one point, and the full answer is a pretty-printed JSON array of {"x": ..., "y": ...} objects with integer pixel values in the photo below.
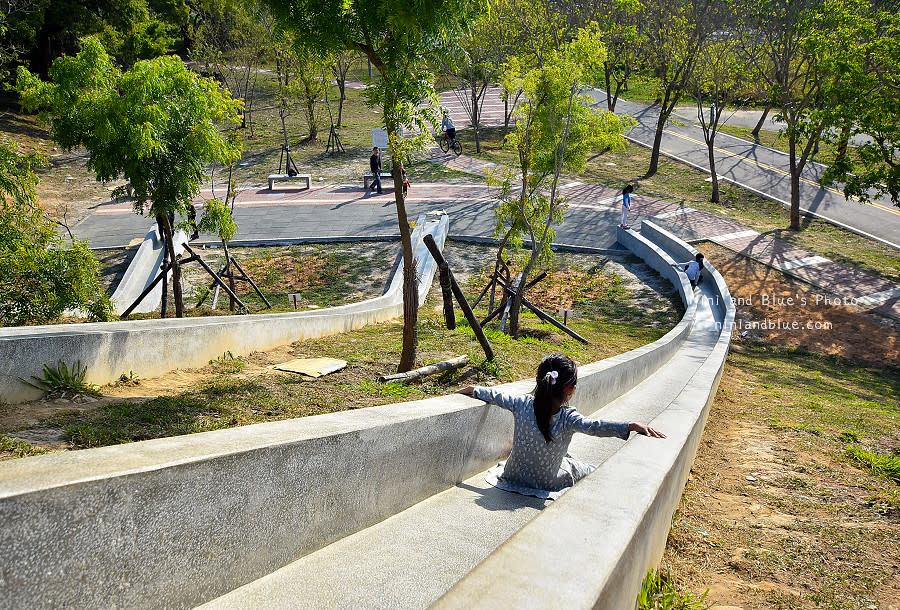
[
  {"x": 348, "y": 212},
  {"x": 859, "y": 288}
]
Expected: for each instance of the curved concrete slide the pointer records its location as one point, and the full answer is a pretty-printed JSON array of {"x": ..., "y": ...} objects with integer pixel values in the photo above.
[
  {"x": 378, "y": 507},
  {"x": 150, "y": 348},
  {"x": 143, "y": 269}
]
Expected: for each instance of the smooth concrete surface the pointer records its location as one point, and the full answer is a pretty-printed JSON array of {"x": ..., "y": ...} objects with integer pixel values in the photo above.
[
  {"x": 445, "y": 537},
  {"x": 611, "y": 528},
  {"x": 145, "y": 266},
  {"x": 414, "y": 557},
  {"x": 175, "y": 522},
  {"x": 181, "y": 520},
  {"x": 150, "y": 348}
]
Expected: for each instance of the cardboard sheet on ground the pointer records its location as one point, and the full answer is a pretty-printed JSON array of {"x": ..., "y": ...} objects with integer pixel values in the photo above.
[{"x": 314, "y": 367}]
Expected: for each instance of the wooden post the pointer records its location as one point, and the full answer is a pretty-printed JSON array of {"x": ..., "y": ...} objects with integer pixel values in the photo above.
[
  {"x": 549, "y": 319},
  {"x": 460, "y": 298},
  {"x": 447, "y": 294}
]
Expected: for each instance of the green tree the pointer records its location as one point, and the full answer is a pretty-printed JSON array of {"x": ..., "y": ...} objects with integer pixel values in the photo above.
[
  {"x": 343, "y": 61},
  {"x": 719, "y": 80},
  {"x": 155, "y": 124},
  {"x": 400, "y": 38},
  {"x": 675, "y": 32},
  {"x": 231, "y": 43},
  {"x": 620, "y": 20},
  {"x": 477, "y": 63},
  {"x": 41, "y": 276},
  {"x": 869, "y": 104},
  {"x": 556, "y": 130},
  {"x": 128, "y": 28},
  {"x": 798, "y": 49}
]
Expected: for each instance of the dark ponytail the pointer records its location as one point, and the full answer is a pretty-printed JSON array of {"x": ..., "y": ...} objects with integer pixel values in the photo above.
[
  {"x": 699, "y": 259},
  {"x": 548, "y": 387}
]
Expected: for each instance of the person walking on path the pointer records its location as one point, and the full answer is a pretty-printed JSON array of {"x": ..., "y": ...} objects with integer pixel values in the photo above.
[
  {"x": 626, "y": 204},
  {"x": 375, "y": 166},
  {"x": 544, "y": 425},
  {"x": 404, "y": 180},
  {"x": 693, "y": 269}
]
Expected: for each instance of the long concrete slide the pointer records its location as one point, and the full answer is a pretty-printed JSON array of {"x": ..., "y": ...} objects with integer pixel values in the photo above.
[
  {"x": 145, "y": 266},
  {"x": 378, "y": 507},
  {"x": 150, "y": 348}
]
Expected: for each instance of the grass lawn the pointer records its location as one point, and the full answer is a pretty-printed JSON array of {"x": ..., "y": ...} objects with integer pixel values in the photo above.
[
  {"x": 615, "y": 313},
  {"x": 684, "y": 185}
]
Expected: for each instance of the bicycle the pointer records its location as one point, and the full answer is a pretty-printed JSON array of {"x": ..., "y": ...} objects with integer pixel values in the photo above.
[{"x": 446, "y": 144}]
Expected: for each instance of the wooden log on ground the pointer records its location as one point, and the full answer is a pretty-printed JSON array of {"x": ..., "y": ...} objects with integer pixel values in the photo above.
[{"x": 431, "y": 369}]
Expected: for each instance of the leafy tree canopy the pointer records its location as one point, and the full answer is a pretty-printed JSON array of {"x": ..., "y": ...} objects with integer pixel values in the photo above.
[
  {"x": 155, "y": 124},
  {"x": 40, "y": 275}
]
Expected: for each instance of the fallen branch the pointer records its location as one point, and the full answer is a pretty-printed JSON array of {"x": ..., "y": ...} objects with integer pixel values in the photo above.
[{"x": 431, "y": 369}]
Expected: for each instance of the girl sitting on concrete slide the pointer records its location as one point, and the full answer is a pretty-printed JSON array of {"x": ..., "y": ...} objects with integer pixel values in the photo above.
[
  {"x": 538, "y": 464},
  {"x": 693, "y": 269}
]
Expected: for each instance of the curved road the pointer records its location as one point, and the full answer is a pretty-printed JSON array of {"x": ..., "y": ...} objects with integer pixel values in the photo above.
[{"x": 762, "y": 170}]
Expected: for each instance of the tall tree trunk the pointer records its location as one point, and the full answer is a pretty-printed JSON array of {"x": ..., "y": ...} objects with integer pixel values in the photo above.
[
  {"x": 657, "y": 142},
  {"x": 714, "y": 197},
  {"x": 610, "y": 104},
  {"x": 842, "y": 143},
  {"x": 229, "y": 270},
  {"x": 762, "y": 121},
  {"x": 795, "y": 183},
  {"x": 505, "y": 115},
  {"x": 410, "y": 280},
  {"x": 341, "y": 85},
  {"x": 176, "y": 268},
  {"x": 475, "y": 119},
  {"x": 311, "y": 119},
  {"x": 516, "y": 305}
]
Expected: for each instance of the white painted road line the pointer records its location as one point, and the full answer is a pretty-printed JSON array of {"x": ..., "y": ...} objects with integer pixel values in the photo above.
[
  {"x": 800, "y": 262},
  {"x": 877, "y": 298},
  {"x": 569, "y": 185},
  {"x": 674, "y": 213},
  {"x": 737, "y": 235}
]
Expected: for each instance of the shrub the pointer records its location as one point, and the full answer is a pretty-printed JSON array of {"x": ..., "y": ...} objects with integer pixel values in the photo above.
[{"x": 41, "y": 276}]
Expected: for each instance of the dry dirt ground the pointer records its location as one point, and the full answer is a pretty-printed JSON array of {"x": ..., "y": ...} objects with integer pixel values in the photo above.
[
  {"x": 753, "y": 520},
  {"x": 470, "y": 263}
]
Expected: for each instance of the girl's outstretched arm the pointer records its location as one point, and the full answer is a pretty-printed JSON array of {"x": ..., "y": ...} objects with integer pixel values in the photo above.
[
  {"x": 645, "y": 430},
  {"x": 501, "y": 399}
]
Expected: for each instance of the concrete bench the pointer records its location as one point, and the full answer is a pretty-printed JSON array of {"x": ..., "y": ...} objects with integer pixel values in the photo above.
[
  {"x": 367, "y": 178},
  {"x": 273, "y": 178}
]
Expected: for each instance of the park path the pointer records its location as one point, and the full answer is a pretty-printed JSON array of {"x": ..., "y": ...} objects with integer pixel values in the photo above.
[
  {"x": 335, "y": 212},
  {"x": 853, "y": 286}
]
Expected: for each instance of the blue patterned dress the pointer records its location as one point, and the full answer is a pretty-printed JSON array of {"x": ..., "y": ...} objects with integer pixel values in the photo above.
[{"x": 534, "y": 466}]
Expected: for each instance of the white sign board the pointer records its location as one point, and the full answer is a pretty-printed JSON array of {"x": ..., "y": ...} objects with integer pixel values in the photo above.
[{"x": 380, "y": 139}]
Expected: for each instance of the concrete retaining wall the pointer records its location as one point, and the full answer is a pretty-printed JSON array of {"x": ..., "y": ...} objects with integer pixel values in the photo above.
[
  {"x": 174, "y": 522},
  {"x": 612, "y": 544},
  {"x": 150, "y": 348}
]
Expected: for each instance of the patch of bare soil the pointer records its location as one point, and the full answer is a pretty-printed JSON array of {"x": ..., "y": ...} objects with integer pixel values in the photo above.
[
  {"x": 756, "y": 513},
  {"x": 769, "y": 519},
  {"x": 778, "y": 309}
]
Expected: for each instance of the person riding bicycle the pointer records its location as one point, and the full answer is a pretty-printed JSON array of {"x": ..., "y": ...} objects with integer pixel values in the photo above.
[{"x": 448, "y": 126}]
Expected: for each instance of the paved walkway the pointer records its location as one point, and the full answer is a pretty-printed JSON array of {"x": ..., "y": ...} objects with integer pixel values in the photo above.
[
  {"x": 288, "y": 215},
  {"x": 859, "y": 288},
  {"x": 764, "y": 171}
]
